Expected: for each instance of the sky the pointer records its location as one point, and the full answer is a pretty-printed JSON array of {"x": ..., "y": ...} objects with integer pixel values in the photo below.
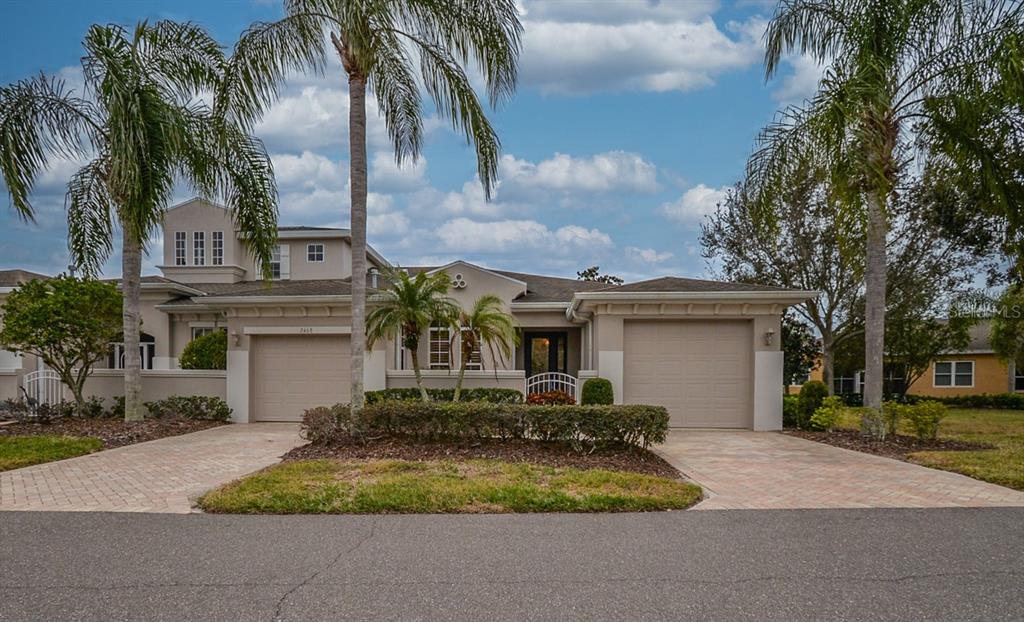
[{"x": 631, "y": 119}]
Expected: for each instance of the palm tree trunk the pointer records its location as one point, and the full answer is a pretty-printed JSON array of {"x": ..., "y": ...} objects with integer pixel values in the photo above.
[
  {"x": 131, "y": 271},
  {"x": 462, "y": 374},
  {"x": 357, "y": 178},
  {"x": 419, "y": 376},
  {"x": 874, "y": 312}
]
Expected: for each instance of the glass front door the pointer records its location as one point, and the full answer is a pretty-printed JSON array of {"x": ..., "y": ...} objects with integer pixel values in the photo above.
[{"x": 545, "y": 352}]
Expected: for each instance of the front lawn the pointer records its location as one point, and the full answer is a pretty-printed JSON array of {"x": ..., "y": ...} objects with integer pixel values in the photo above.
[
  {"x": 23, "y": 451},
  {"x": 433, "y": 486},
  {"x": 1003, "y": 429}
]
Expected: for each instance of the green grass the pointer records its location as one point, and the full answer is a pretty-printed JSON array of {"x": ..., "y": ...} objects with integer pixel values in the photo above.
[
  {"x": 22, "y": 451},
  {"x": 1003, "y": 465},
  {"x": 473, "y": 486}
]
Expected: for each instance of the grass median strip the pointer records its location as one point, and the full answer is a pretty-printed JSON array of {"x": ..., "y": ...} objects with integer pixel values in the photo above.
[
  {"x": 23, "y": 451},
  {"x": 429, "y": 487}
]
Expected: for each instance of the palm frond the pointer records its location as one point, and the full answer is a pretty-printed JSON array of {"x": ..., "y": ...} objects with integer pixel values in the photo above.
[
  {"x": 398, "y": 97},
  {"x": 90, "y": 211},
  {"x": 814, "y": 27}
]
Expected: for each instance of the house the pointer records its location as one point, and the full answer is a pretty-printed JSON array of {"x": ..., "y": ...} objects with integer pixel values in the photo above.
[
  {"x": 707, "y": 350},
  {"x": 974, "y": 370}
]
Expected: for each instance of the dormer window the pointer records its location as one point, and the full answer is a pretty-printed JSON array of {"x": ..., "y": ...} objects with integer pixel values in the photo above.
[
  {"x": 315, "y": 253},
  {"x": 218, "y": 248},
  {"x": 199, "y": 248},
  {"x": 180, "y": 248}
]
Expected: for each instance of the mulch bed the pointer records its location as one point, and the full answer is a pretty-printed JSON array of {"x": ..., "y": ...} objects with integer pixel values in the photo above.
[
  {"x": 898, "y": 446},
  {"x": 113, "y": 432},
  {"x": 534, "y": 452}
]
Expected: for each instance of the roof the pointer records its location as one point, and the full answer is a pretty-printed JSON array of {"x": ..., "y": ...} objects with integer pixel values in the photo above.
[
  {"x": 13, "y": 278},
  {"x": 303, "y": 287},
  {"x": 979, "y": 337},
  {"x": 305, "y": 228},
  {"x": 681, "y": 284}
]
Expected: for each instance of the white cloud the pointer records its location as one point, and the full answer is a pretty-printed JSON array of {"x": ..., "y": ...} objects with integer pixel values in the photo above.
[
  {"x": 617, "y": 11},
  {"x": 308, "y": 171},
  {"x": 465, "y": 235},
  {"x": 694, "y": 205},
  {"x": 604, "y": 172},
  {"x": 387, "y": 176},
  {"x": 802, "y": 83},
  {"x": 666, "y": 55},
  {"x": 647, "y": 255}
]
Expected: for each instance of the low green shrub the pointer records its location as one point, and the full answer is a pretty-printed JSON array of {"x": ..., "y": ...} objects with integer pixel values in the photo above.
[
  {"x": 924, "y": 417},
  {"x": 551, "y": 398},
  {"x": 494, "y": 395},
  {"x": 204, "y": 407},
  {"x": 209, "y": 351},
  {"x": 597, "y": 391},
  {"x": 582, "y": 426},
  {"x": 790, "y": 411},
  {"x": 812, "y": 394},
  {"x": 893, "y": 412},
  {"x": 828, "y": 414}
]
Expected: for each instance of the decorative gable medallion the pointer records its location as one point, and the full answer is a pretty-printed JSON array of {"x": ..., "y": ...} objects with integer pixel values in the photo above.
[{"x": 458, "y": 282}]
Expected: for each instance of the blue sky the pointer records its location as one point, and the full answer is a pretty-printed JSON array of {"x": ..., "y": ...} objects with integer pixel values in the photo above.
[{"x": 630, "y": 119}]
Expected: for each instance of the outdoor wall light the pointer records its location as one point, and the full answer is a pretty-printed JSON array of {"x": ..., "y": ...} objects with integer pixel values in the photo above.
[
  {"x": 768, "y": 335},
  {"x": 236, "y": 337}
]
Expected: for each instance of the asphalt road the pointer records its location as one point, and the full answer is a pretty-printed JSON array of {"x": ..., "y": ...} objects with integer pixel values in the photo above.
[{"x": 957, "y": 564}]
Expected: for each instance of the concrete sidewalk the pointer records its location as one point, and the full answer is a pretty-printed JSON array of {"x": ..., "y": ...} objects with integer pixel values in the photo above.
[{"x": 165, "y": 475}]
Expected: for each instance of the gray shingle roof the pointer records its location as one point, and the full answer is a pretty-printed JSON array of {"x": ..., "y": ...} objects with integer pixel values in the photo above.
[
  {"x": 318, "y": 287},
  {"x": 305, "y": 228},
  {"x": 13, "y": 278},
  {"x": 681, "y": 284}
]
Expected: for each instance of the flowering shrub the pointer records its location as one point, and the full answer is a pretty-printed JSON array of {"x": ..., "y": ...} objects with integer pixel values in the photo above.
[{"x": 551, "y": 398}]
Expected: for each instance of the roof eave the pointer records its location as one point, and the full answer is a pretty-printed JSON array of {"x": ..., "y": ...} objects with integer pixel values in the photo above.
[{"x": 784, "y": 297}]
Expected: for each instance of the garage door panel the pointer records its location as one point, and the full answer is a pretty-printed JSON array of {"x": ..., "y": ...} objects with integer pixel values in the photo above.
[
  {"x": 699, "y": 370},
  {"x": 294, "y": 372}
]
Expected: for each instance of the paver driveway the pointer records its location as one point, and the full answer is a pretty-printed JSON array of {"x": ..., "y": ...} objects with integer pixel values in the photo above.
[
  {"x": 768, "y": 470},
  {"x": 159, "y": 476}
]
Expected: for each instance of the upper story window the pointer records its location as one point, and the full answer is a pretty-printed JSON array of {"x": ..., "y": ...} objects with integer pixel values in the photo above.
[
  {"x": 180, "y": 248},
  {"x": 199, "y": 248},
  {"x": 440, "y": 348},
  {"x": 275, "y": 263},
  {"x": 315, "y": 252},
  {"x": 218, "y": 248},
  {"x": 954, "y": 374},
  {"x": 475, "y": 360}
]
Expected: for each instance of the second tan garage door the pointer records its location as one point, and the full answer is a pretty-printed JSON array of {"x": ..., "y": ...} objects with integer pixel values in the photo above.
[
  {"x": 699, "y": 370},
  {"x": 291, "y": 373}
]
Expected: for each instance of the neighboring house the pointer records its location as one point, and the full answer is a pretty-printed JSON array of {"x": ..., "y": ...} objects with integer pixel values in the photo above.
[
  {"x": 707, "y": 350},
  {"x": 973, "y": 370}
]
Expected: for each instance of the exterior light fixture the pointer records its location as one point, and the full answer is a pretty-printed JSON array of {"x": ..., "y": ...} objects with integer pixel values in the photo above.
[
  {"x": 768, "y": 335},
  {"x": 236, "y": 337}
]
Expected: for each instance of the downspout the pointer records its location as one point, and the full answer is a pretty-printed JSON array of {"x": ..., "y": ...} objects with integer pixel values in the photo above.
[{"x": 574, "y": 316}]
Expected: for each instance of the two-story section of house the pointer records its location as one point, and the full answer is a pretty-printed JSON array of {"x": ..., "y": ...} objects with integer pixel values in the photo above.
[{"x": 706, "y": 350}]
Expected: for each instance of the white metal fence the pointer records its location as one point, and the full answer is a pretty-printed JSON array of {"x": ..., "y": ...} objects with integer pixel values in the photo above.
[
  {"x": 552, "y": 381},
  {"x": 43, "y": 387}
]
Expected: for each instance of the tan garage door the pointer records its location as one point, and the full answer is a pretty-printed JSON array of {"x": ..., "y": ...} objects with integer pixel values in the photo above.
[
  {"x": 291, "y": 373},
  {"x": 699, "y": 370}
]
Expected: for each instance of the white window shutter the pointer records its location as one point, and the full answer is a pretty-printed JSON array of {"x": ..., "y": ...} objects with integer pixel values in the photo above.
[{"x": 285, "y": 262}]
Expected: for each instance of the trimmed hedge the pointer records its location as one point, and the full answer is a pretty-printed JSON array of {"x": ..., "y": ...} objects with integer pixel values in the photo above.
[
  {"x": 999, "y": 401},
  {"x": 582, "y": 426},
  {"x": 492, "y": 395},
  {"x": 209, "y": 351},
  {"x": 812, "y": 395},
  {"x": 203, "y": 407},
  {"x": 597, "y": 391},
  {"x": 790, "y": 411}
]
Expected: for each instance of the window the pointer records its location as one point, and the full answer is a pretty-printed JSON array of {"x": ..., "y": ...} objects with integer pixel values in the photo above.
[
  {"x": 218, "y": 248},
  {"x": 954, "y": 374},
  {"x": 147, "y": 350},
  {"x": 315, "y": 252},
  {"x": 199, "y": 248},
  {"x": 180, "y": 242},
  {"x": 275, "y": 263},
  {"x": 475, "y": 361},
  {"x": 199, "y": 331},
  {"x": 1018, "y": 377},
  {"x": 440, "y": 348}
]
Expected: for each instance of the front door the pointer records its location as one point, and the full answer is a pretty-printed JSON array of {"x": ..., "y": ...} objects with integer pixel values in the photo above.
[{"x": 545, "y": 352}]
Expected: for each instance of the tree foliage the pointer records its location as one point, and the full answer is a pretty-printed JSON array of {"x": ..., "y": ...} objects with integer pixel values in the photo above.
[
  {"x": 488, "y": 323},
  {"x": 209, "y": 351},
  {"x": 593, "y": 273},
  {"x": 67, "y": 322},
  {"x": 801, "y": 350}
]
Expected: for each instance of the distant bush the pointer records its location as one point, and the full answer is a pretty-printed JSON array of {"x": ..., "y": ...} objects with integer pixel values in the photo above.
[
  {"x": 597, "y": 391},
  {"x": 202, "y": 407},
  {"x": 492, "y": 395},
  {"x": 209, "y": 351},
  {"x": 582, "y": 426},
  {"x": 924, "y": 417},
  {"x": 551, "y": 398},
  {"x": 828, "y": 414},
  {"x": 1002, "y": 401},
  {"x": 790, "y": 411},
  {"x": 812, "y": 394}
]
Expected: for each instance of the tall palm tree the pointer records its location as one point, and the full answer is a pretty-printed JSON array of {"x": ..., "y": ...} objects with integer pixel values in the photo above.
[
  {"x": 383, "y": 45},
  {"x": 487, "y": 323},
  {"x": 898, "y": 72},
  {"x": 407, "y": 309},
  {"x": 140, "y": 124}
]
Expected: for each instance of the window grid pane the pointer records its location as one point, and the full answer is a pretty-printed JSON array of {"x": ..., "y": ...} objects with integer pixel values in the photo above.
[
  {"x": 275, "y": 263},
  {"x": 475, "y": 360},
  {"x": 218, "y": 248},
  {"x": 315, "y": 252},
  {"x": 180, "y": 241},
  {"x": 440, "y": 354},
  {"x": 199, "y": 248}
]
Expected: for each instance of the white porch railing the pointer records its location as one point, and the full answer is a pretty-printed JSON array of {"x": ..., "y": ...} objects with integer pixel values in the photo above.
[
  {"x": 552, "y": 381},
  {"x": 43, "y": 387}
]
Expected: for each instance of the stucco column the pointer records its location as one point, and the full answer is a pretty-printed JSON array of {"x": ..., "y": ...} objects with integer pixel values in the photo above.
[
  {"x": 238, "y": 375},
  {"x": 375, "y": 366},
  {"x": 608, "y": 345},
  {"x": 768, "y": 371}
]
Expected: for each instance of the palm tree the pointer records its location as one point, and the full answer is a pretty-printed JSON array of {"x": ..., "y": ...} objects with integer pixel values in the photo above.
[
  {"x": 899, "y": 75},
  {"x": 407, "y": 308},
  {"x": 142, "y": 126},
  {"x": 380, "y": 43},
  {"x": 486, "y": 323}
]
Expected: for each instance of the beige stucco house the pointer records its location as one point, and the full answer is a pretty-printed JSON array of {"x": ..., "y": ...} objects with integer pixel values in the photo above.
[{"x": 707, "y": 350}]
